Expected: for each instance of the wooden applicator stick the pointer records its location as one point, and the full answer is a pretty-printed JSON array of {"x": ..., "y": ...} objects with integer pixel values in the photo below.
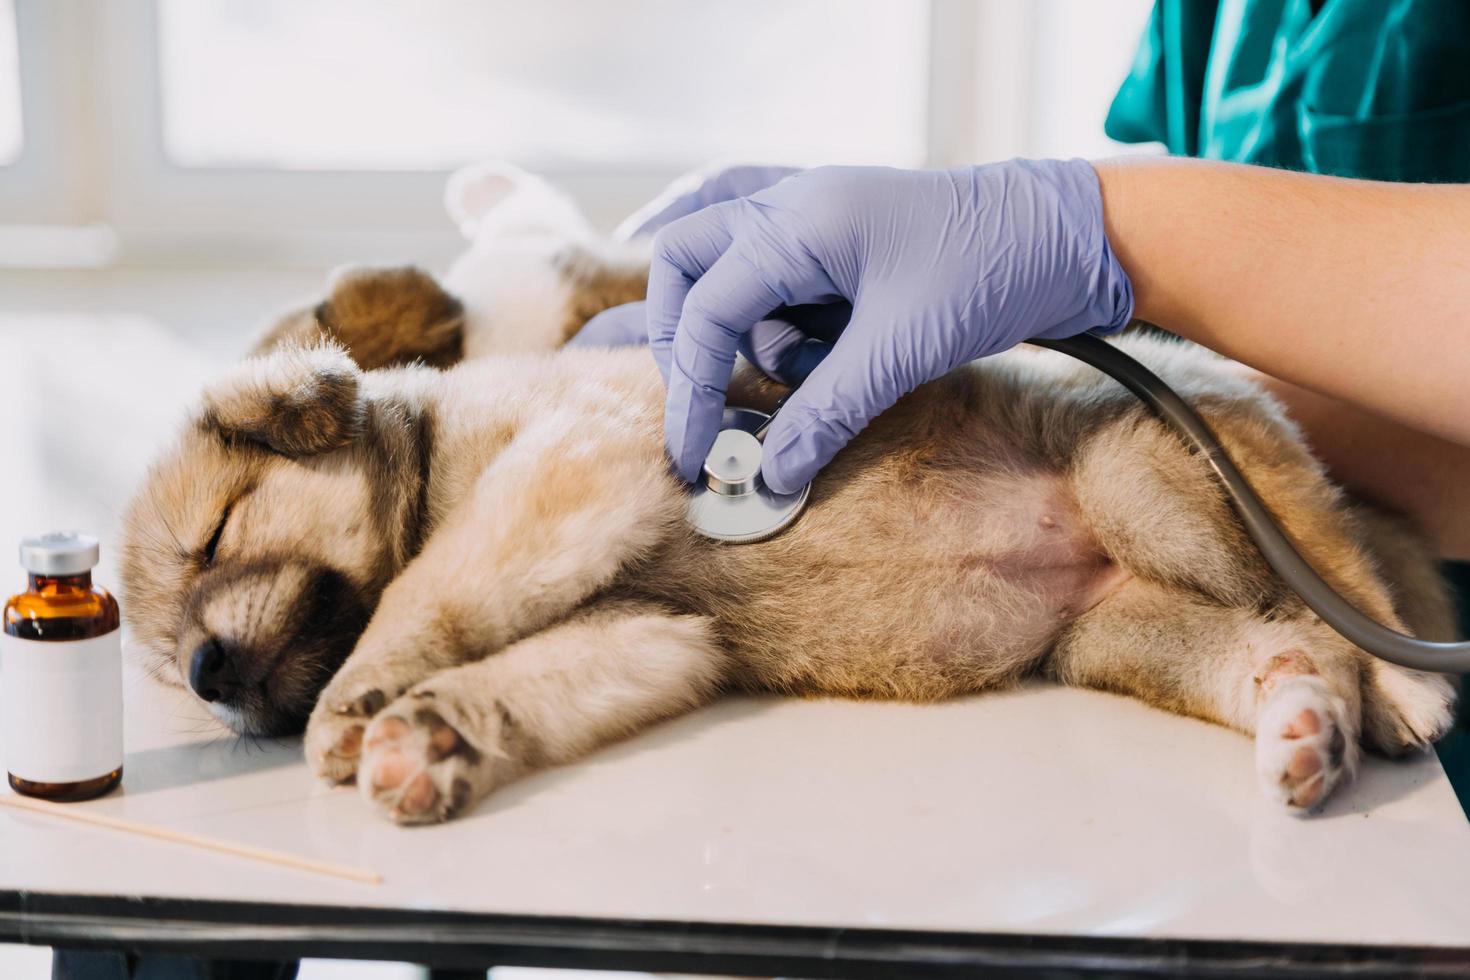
[{"x": 190, "y": 840}]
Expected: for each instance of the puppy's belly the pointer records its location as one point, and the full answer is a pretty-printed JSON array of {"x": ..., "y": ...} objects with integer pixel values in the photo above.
[
  {"x": 1033, "y": 535},
  {"x": 955, "y": 589}
]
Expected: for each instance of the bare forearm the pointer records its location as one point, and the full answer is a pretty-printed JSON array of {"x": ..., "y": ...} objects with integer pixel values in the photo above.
[{"x": 1355, "y": 290}]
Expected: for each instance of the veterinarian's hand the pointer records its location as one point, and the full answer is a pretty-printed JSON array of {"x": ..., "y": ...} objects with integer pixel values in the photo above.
[
  {"x": 940, "y": 267},
  {"x": 787, "y": 345},
  {"x": 696, "y": 191}
]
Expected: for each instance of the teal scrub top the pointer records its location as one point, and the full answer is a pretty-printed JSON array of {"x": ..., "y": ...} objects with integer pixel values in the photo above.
[{"x": 1378, "y": 89}]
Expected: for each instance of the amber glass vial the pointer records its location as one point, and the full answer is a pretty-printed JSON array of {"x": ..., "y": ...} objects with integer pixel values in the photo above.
[{"x": 61, "y": 674}]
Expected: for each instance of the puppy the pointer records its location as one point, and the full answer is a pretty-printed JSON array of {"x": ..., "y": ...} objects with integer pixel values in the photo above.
[{"x": 456, "y": 575}]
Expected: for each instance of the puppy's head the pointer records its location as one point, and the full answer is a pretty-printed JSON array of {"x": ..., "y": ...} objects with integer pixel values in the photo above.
[{"x": 257, "y": 547}]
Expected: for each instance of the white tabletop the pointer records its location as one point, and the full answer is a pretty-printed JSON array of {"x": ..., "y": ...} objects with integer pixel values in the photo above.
[{"x": 1045, "y": 810}]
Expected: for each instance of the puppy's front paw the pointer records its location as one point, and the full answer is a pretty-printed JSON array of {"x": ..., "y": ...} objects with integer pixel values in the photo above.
[
  {"x": 1305, "y": 745},
  {"x": 335, "y": 730},
  {"x": 417, "y": 767}
]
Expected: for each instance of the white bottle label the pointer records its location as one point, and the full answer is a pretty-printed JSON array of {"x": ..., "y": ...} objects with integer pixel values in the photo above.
[{"x": 61, "y": 707}]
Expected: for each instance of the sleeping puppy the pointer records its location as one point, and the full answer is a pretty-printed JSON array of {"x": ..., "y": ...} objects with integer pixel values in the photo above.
[{"x": 454, "y": 575}]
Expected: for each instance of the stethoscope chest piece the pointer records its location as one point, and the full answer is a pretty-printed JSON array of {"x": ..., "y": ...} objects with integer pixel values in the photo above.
[{"x": 731, "y": 503}]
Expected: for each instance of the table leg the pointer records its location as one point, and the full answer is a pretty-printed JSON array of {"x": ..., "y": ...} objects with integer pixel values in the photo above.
[{"x": 93, "y": 964}]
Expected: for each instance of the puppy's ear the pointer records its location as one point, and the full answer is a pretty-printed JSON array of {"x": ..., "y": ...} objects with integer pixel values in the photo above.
[
  {"x": 298, "y": 401},
  {"x": 496, "y": 199},
  {"x": 381, "y": 317},
  {"x": 475, "y": 190}
]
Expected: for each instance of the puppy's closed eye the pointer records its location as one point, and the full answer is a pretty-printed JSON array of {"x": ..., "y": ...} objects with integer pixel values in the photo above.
[{"x": 211, "y": 546}]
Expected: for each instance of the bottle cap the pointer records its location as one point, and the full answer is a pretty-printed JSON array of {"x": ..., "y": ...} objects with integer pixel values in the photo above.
[{"x": 59, "y": 553}]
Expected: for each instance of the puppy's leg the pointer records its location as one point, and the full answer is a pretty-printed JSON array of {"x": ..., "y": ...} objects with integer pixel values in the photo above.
[
  {"x": 1225, "y": 623},
  {"x": 569, "y": 502},
  {"x": 1292, "y": 683},
  {"x": 546, "y": 700},
  {"x": 1406, "y": 709}
]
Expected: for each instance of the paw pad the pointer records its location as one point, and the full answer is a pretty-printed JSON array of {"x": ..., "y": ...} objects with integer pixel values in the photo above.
[
  {"x": 1302, "y": 748},
  {"x": 387, "y": 728},
  {"x": 390, "y": 770},
  {"x": 417, "y": 767},
  {"x": 349, "y": 745},
  {"x": 1306, "y": 723}
]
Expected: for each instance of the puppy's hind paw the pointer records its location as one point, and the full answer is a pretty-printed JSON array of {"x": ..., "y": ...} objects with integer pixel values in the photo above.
[
  {"x": 418, "y": 768},
  {"x": 1305, "y": 746},
  {"x": 1404, "y": 710}
]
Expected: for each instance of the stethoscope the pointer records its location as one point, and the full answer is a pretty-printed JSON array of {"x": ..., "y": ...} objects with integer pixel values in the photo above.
[{"x": 731, "y": 504}]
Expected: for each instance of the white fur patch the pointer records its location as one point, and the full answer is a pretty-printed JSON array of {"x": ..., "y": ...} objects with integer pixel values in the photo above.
[
  {"x": 515, "y": 299},
  {"x": 1240, "y": 693},
  {"x": 514, "y": 296},
  {"x": 496, "y": 199}
]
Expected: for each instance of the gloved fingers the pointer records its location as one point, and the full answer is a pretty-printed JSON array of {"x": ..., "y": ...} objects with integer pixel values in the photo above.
[
  {"x": 697, "y": 190},
  {"x": 682, "y": 252},
  {"x": 719, "y": 309},
  {"x": 860, "y": 378},
  {"x": 789, "y": 343},
  {"x": 616, "y": 326},
  {"x": 782, "y": 350}
]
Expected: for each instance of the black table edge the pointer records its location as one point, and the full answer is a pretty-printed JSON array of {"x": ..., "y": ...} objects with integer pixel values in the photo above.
[{"x": 248, "y": 930}]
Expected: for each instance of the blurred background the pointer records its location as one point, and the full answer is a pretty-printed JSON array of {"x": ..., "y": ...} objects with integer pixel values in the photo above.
[
  {"x": 199, "y": 160},
  {"x": 172, "y": 172}
]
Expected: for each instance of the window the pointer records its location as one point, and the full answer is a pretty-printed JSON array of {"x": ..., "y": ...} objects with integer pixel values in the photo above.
[
  {"x": 430, "y": 84},
  {"x": 312, "y": 132},
  {"x": 1082, "y": 52},
  {"x": 10, "y": 127}
]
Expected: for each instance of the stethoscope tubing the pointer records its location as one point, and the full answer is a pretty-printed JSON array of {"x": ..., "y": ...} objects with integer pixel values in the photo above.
[{"x": 1275, "y": 547}]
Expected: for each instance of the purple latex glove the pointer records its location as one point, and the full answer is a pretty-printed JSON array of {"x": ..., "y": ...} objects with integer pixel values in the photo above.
[
  {"x": 940, "y": 267},
  {"x": 616, "y": 326},
  {"x": 696, "y": 191},
  {"x": 787, "y": 345},
  {"x": 626, "y": 325}
]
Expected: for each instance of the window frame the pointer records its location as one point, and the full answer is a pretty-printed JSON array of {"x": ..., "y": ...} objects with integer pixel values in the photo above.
[
  {"x": 44, "y": 185},
  {"x": 115, "y": 175}
]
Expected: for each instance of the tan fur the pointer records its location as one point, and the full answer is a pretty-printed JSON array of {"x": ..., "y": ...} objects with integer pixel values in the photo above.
[{"x": 514, "y": 528}]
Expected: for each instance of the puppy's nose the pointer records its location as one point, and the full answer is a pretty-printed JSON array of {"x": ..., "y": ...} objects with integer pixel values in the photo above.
[{"x": 212, "y": 672}]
